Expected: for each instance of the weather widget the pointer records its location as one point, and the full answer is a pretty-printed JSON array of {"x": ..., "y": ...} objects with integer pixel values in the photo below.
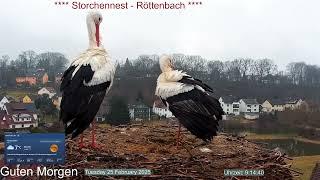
[{"x": 34, "y": 148}]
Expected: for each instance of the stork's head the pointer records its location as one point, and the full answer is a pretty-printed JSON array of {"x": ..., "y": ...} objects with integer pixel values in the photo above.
[
  {"x": 165, "y": 63},
  {"x": 94, "y": 19}
]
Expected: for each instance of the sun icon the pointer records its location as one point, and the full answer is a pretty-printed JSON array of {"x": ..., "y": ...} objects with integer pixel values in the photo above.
[{"x": 54, "y": 148}]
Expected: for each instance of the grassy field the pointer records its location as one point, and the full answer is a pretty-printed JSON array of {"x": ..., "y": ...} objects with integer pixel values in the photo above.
[
  {"x": 18, "y": 93},
  {"x": 280, "y": 136},
  {"x": 305, "y": 164}
]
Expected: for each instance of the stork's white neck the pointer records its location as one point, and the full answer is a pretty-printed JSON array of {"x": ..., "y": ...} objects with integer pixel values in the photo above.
[
  {"x": 92, "y": 35},
  {"x": 166, "y": 67}
]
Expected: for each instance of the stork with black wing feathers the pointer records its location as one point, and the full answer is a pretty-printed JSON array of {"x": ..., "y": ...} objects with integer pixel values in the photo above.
[
  {"x": 85, "y": 83},
  {"x": 189, "y": 101}
]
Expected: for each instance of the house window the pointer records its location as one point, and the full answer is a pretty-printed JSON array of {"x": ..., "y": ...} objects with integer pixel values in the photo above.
[
  {"x": 255, "y": 110},
  {"x": 249, "y": 110},
  {"x": 249, "y": 105},
  {"x": 22, "y": 125}
]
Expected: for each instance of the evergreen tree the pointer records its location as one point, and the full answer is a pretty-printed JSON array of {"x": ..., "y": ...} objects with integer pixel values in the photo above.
[
  {"x": 119, "y": 112},
  {"x": 45, "y": 104}
]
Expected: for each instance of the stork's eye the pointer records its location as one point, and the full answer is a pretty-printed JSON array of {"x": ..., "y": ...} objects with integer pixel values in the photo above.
[{"x": 99, "y": 19}]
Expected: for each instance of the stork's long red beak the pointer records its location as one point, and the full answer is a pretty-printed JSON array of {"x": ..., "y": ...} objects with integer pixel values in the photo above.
[{"x": 97, "y": 35}]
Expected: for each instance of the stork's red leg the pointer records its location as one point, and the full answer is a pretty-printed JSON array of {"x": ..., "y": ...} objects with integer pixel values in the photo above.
[
  {"x": 93, "y": 137},
  {"x": 178, "y": 135},
  {"x": 81, "y": 145}
]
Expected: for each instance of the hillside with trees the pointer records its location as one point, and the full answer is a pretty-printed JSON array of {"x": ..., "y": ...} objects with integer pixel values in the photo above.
[
  {"x": 242, "y": 77},
  {"x": 28, "y": 62}
]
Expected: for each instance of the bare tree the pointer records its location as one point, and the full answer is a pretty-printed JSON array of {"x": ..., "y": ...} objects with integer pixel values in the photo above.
[
  {"x": 215, "y": 70},
  {"x": 296, "y": 72},
  {"x": 245, "y": 65},
  {"x": 26, "y": 61},
  {"x": 3, "y": 68},
  {"x": 232, "y": 71},
  {"x": 264, "y": 67}
]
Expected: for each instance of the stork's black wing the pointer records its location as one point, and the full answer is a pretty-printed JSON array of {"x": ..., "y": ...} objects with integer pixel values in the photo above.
[
  {"x": 194, "y": 81},
  {"x": 80, "y": 103},
  {"x": 198, "y": 112}
]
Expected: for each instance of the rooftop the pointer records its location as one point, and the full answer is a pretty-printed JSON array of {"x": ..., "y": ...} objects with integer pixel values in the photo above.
[
  {"x": 277, "y": 101},
  {"x": 16, "y": 108},
  {"x": 50, "y": 89},
  {"x": 229, "y": 99},
  {"x": 250, "y": 101},
  {"x": 138, "y": 104}
]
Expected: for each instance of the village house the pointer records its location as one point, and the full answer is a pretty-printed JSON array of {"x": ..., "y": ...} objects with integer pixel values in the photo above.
[
  {"x": 3, "y": 101},
  {"x": 30, "y": 79},
  {"x": 272, "y": 105},
  {"x": 100, "y": 118},
  {"x": 230, "y": 105},
  {"x": 160, "y": 109},
  {"x": 47, "y": 90},
  {"x": 139, "y": 111},
  {"x": 249, "y": 105},
  {"x": 5, "y": 120},
  {"x": 250, "y": 108},
  {"x": 103, "y": 110},
  {"x": 42, "y": 77},
  {"x": 26, "y": 99},
  {"x": 281, "y": 105},
  {"x": 294, "y": 104},
  {"x": 16, "y": 116}
]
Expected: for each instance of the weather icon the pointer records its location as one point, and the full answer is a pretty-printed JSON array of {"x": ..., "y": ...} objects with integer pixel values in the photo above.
[
  {"x": 10, "y": 147},
  {"x": 54, "y": 148}
]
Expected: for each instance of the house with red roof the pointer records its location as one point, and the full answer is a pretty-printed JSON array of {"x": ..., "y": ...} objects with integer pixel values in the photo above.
[{"x": 17, "y": 115}]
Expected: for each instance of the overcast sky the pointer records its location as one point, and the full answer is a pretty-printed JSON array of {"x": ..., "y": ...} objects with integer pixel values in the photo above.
[{"x": 283, "y": 30}]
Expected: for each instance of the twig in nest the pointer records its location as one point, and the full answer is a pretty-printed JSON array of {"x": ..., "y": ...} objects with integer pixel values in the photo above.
[{"x": 77, "y": 163}]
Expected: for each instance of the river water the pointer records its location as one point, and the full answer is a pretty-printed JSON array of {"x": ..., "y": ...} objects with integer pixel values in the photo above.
[{"x": 290, "y": 146}]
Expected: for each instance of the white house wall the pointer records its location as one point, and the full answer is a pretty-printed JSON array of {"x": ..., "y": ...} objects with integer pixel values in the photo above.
[
  {"x": 26, "y": 125},
  {"x": 254, "y": 108},
  {"x": 162, "y": 112}
]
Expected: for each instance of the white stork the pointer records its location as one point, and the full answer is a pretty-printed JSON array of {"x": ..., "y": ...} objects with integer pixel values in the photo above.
[
  {"x": 85, "y": 83},
  {"x": 189, "y": 101}
]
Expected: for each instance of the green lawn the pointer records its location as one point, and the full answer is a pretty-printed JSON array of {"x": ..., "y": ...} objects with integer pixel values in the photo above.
[
  {"x": 280, "y": 136},
  {"x": 18, "y": 93},
  {"x": 305, "y": 164},
  {"x": 269, "y": 136}
]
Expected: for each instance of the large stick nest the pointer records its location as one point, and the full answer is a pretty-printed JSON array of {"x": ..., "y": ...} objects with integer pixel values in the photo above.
[{"x": 153, "y": 146}]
